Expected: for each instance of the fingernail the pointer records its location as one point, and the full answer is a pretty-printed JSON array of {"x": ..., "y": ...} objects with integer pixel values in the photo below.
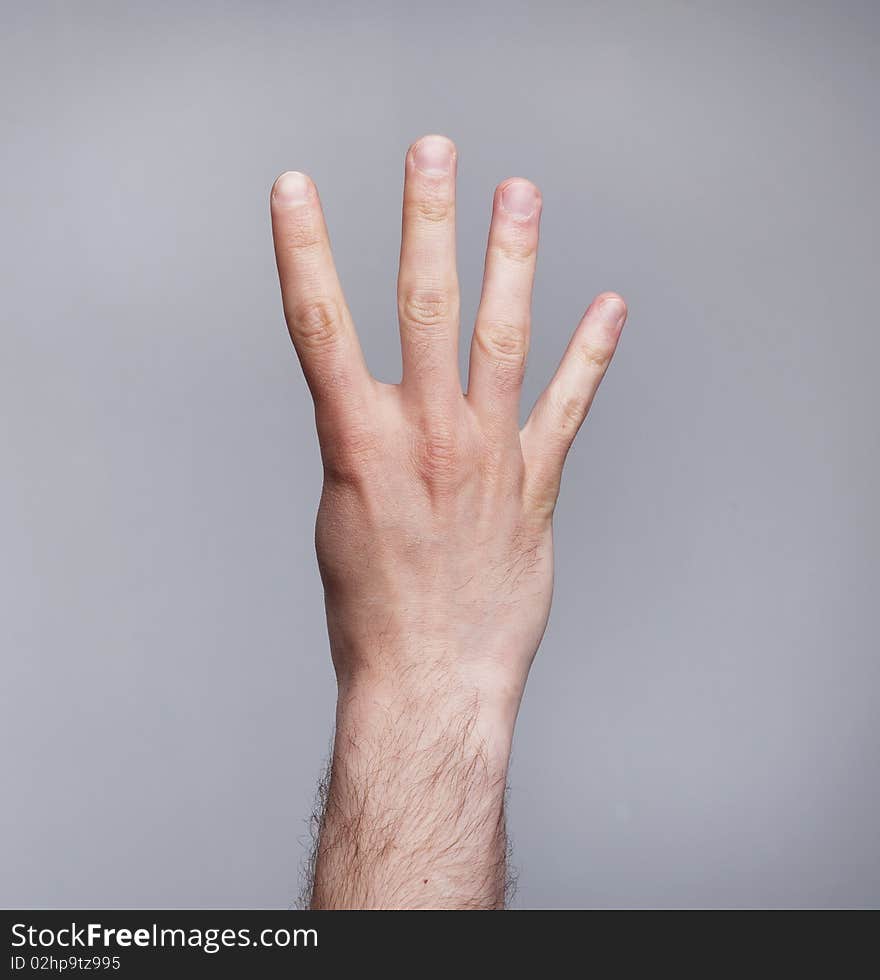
[
  {"x": 433, "y": 155},
  {"x": 519, "y": 199},
  {"x": 291, "y": 188},
  {"x": 613, "y": 311}
]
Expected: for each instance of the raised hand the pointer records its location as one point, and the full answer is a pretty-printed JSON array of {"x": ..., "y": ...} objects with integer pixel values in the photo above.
[{"x": 434, "y": 536}]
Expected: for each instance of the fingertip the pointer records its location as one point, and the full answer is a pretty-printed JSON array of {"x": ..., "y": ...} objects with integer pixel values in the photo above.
[
  {"x": 519, "y": 197},
  {"x": 433, "y": 154},
  {"x": 611, "y": 307},
  {"x": 291, "y": 189},
  {"x": 436, "y": 138}
]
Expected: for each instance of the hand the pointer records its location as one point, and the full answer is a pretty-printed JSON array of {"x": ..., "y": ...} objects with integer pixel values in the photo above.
[{"x": 434, "y": 531}]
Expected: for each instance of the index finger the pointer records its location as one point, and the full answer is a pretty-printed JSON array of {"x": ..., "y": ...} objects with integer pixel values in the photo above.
[{"x": 317, "y": 316}]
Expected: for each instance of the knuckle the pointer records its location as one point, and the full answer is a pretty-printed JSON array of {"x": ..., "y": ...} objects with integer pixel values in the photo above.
[
  {"x": 438, "y": 455},
  {"x": 315, "y": 324},
  {"x": 596, "y": 356},
  {"x": 517, "y": 248},
  {"x": 570, "y": 410},
  {"x": 433, "y": 208},
  {"x": 540, "y": 496},
  {"x": 425, "y": 307},
  {"x": 503, "y": 342},
  {"x": 348, "y": 456},
  {"x": 301, "y": 230},
  {"x": 301, "y": 236}
]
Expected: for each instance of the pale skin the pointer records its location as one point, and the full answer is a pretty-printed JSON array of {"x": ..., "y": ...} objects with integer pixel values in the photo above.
[{"x": 434, "y": 537}]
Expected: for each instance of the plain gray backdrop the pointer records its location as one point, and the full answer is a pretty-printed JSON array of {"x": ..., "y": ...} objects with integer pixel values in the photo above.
[{"x": 701, "y": 725}]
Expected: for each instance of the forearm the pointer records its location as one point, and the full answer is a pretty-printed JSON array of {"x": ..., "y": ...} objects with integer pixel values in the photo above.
[{"x": 414, "y": 809}]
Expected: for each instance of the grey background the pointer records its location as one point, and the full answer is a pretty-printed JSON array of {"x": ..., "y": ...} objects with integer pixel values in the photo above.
[{"x": 701, "y": 727}]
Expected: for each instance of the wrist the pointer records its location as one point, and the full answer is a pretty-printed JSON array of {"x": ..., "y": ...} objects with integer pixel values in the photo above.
[{"x": 425, "y": 703}]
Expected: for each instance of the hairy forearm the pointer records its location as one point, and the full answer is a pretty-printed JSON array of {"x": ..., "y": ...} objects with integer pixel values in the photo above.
[{"x": 413, "y": 811}]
